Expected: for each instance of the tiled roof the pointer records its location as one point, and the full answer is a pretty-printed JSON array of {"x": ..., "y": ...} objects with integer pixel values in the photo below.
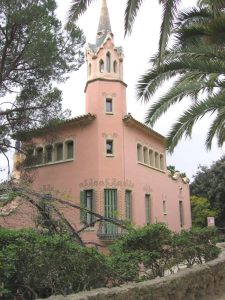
[{"x": 130, "y": 121}]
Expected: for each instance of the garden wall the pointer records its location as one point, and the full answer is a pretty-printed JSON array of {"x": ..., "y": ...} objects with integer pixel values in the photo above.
[{"x": 200, "y": 282}]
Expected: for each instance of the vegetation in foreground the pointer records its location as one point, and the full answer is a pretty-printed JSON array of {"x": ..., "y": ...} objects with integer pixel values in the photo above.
[{"x": 37, "y": 266}]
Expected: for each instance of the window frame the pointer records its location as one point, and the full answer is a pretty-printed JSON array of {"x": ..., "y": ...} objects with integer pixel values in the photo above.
[
  {"x": 107, "y": 99},
  {"x": 113, "y": 148},
  {"x": 66, "y": 150}
]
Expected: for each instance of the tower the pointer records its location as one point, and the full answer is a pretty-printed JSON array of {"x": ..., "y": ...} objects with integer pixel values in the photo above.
[{"x": 105, "y": 71}]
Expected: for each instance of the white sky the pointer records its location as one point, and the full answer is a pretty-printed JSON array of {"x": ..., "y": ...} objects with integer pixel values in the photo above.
[{"x": 138, "y": 48}]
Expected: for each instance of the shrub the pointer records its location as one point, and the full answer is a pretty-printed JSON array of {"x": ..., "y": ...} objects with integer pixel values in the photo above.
[{"x": 39, "y": 266}]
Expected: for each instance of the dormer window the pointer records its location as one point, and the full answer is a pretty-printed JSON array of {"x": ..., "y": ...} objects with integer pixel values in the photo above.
[
  {"x": 101, "y": 66},
  {"x": 108, "y": 62}
]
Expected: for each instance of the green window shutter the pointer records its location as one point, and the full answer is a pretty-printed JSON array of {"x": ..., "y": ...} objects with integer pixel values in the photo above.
[
  {"x": 83, "y": 214},
  {"x": 147, "y": 208},
  {"x": 128, "y": 205},
  {"x": 93, "y": 204}
]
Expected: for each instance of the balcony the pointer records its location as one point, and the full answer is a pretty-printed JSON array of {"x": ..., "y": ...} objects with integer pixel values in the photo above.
[{"x": 109, "y": 232}]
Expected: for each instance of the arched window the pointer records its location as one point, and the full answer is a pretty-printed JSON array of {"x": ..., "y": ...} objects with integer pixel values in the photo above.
[
  {"x": 161, "y": 162},
  {"x": 108, "y": 62},
  {"x": 59, "y": 151},
  {"x": 157, "y": 160},
  {"x": 69, "y": 149},
  {"x": 151, "y": 158},
  {"x": 101, "y": 66},
  {"x": 48, "y": 153},
  {"x": 115, "y": 66},
  {"x": 139, "y": 153},
  {"x": 89, "y": 69},
  {"x": 39, "y": 155},
  {"x": 146, "y": 157}
]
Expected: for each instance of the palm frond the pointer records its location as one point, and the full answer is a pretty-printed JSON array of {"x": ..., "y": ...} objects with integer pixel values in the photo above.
[
  {"x": 181, "y": 88},
  {"x": 131, "y": 10},
  {"x": 77, "y": 8},
  {"x": 184, "y": 125},
  {"x": 217, "y": 129},
  {"x": 191, "y": 16},
  {"x": 170, "y": 8}
]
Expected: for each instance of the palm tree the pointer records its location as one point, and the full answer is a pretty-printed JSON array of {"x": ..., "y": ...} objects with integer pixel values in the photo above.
[{"x": 197, "y": 62}]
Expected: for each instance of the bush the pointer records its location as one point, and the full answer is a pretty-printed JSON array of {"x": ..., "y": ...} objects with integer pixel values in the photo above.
[{"x": 39, "y": 266}]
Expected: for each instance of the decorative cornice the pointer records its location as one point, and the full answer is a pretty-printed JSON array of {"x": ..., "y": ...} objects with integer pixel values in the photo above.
[
  {"x": 130, "y": 121},
  {"x": 104, "y": 79}
]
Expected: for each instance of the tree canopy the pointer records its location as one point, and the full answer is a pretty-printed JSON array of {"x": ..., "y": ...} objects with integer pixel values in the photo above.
[
  {"x": 209, "y": 183},
  {"x": 35, "y": 53}
]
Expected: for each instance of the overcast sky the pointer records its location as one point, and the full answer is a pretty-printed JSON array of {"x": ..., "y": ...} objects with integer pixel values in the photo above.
[{"x": 138, "y": 48}]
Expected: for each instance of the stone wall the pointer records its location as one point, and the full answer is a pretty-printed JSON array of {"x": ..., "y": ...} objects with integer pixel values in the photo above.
[{"x": 201, "y": 282}]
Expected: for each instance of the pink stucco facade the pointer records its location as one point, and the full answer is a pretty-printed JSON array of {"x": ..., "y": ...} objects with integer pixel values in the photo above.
[{"x": 111, "y": 152}]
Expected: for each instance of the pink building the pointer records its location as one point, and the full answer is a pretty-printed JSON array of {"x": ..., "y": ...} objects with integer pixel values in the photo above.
[{"x": 106, "y": 160}]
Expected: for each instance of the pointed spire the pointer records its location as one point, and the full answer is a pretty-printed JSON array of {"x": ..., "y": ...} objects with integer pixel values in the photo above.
[{"x": 104, "y": 26}]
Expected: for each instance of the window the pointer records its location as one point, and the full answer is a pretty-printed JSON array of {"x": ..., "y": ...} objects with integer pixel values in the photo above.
[
  {"x": 110, "y": 199},
  {"x": 161, "y": 160},
  {"x": 87, "y": 202},
  {"x": 109, "y": 147},
  {"x": 39, "y": 155},
  {"x": 151, "y": 158},
  {"x": 181, "y": 212},
  {"x": 69, "y": 149},
  {"x": 139, "y": 153},
  {"x": 164, "y": 207},
  {"x": 108, "y": 105},
  {"x": 101, "y": 66},
  {"x": 59, "y": 151},
  {"x": 108, "y": 62},
  {"x": 146, "y": 158},
  {"x": 115, "y": 66},
  {"x": 89, "y": 69},
  {"x": 49, "y": 154},
  {"x": 157, "y": 160},
  {"x": 147, "y": 208},
  {"x": 128, "y": 205}
]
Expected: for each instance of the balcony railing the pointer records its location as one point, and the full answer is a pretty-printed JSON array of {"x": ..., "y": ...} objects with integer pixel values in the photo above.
[{"x": 109, "y": 232}]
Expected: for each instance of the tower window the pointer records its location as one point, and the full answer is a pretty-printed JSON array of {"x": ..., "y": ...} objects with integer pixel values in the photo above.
[
  {"x": 115, "y": 66},
  {"x": 108, "y": 62},
  {"x": 101, "y": 66},
  {"x": 108, "y": 105},
  {"x": 89, "y": 69},
  {"x": 109, "y": 147}
]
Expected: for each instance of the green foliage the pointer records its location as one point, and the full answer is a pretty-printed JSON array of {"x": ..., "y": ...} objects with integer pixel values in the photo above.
[
  {"x": 159, "y": 249},
  {"x": 200, "y": 210},
  {"x": 209, "y": 183},
  {"x": 35, "y": 51},
  {"x": 39, "y": 266}
]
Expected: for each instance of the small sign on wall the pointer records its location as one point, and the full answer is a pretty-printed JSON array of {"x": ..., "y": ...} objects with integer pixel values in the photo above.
[{"x": 211, "y": 221}]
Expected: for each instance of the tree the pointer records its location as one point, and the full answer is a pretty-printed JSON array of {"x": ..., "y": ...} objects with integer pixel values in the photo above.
[
  {"x": 34, "y": 52},
  {"x": 209, "y": 183},
  {"x": 196, "y": 62},
  {"x": 200, "y": 210}
]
